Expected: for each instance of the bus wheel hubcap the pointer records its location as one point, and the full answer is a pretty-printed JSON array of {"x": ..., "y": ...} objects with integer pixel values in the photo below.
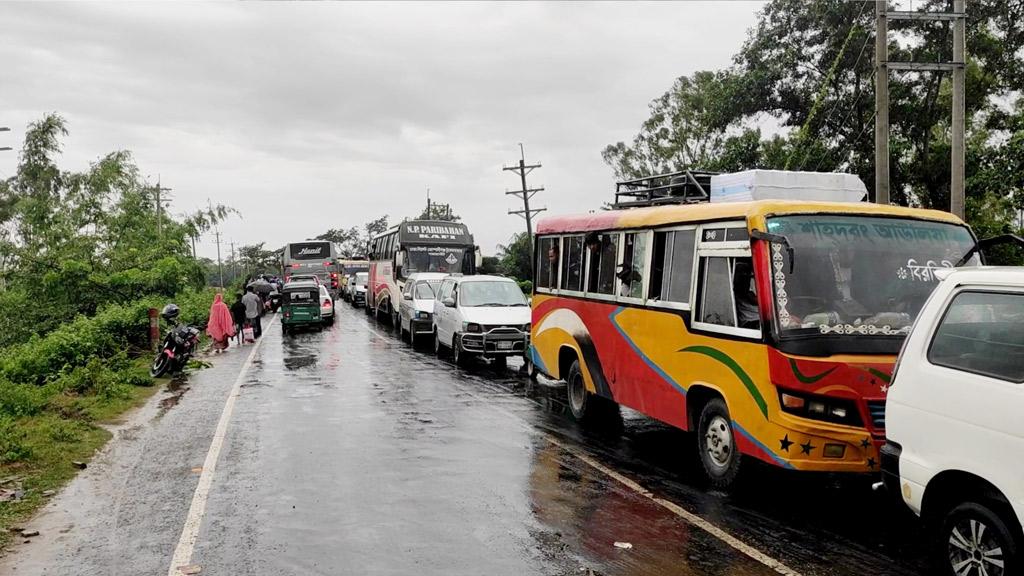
[
  {"x": 576, "y": 393},
  {"x": 973, "y": 550},
  {"x": 718, "y": 441}
]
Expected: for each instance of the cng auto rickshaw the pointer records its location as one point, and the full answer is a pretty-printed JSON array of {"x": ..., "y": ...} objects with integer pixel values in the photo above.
[{"x": 300, "y": 306}]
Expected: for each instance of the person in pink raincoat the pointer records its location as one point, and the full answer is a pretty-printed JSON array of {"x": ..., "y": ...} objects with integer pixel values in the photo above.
[{"x": 221, "y": 326}]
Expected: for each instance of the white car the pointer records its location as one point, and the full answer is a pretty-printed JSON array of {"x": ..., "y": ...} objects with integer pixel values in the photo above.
[
  {"x": 955, "y": 421},
  {"x": 416, "y": 312},
  {"x": 357, "y": 288},
  {"x": 486, "y": 316},
  {"x": 326, "y": 305}
]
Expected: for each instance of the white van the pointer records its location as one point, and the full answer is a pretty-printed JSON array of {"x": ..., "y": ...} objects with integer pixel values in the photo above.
[
  {"x": 485, "y": 316},
  {"x": 416, "y": 311},
  {"x": 955, "y": 421}
]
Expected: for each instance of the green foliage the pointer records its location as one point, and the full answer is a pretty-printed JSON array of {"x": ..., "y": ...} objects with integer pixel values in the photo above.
[
  {"x": 526, "y": 286},
  {"x": 514, "y": 258},
  {"x": 12, "y": 441},
  {"x": 440, "y": 212},
  {"x": 808, "y": 64},
  {"x": 490, "y": 265}
]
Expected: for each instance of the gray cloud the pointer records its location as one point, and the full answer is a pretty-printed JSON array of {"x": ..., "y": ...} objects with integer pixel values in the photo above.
[{"x": 312, "y": 116}]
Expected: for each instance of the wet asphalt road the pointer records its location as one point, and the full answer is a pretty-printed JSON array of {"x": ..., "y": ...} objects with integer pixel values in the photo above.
[{"x": 350, "y": 453}]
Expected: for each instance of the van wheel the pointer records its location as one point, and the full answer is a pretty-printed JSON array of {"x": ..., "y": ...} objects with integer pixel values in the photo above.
[
  {"x": 975, "y": 539},
  {"x": 716, "y": 444},
  {"x": 587, "y": 407},
  {"x": 459, "y": 356}
]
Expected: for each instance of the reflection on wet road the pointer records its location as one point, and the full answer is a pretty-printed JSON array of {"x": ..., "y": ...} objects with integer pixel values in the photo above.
[{"x": 350, "y": 452}]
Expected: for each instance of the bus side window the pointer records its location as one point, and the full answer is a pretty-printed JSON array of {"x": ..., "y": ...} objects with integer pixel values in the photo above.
[
  {"x": 548, "y": 260},
  {"x": 728, "y": 293},
  {"x": 672, "y": 266},
  {"x": 603, "y": 250},
  {"x": 572, "y": 264},
  {"x": 632, "y": 268}
]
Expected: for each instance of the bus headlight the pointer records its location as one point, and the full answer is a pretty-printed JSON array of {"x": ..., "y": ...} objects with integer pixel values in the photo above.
[{"x": 815, "y": 407}]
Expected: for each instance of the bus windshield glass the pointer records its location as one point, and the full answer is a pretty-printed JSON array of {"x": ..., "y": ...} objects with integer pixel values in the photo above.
[
  {"x": 447, "y": 259},
  {"x": 858, "y": 275},
  {"x": 491, "y": 293}
]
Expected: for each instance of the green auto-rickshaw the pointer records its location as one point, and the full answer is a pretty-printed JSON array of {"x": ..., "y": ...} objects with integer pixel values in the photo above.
[{"x": 300, "y": 305}]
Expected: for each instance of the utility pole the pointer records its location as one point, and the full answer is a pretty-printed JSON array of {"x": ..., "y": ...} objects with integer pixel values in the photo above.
[
  {"x": 220, "y": 266},
  {"x": 234, "y": 263},
  {"x": 956, "y": 189},
  {"x": 883, "y": 65},
  {"x": 159, "y": 213},
  {"x": 881, "y": 103},
  {"x": 522, "y": 169}
]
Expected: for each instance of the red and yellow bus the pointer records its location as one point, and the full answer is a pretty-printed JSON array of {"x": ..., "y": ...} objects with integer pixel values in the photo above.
[{"x": 769, "y": 327}]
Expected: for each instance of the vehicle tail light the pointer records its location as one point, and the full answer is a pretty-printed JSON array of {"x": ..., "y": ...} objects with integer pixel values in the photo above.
[
  {"x": 296, "y": 265},
  {"x": 327, "y": 303},
  {"x": 334, "y": 274}
]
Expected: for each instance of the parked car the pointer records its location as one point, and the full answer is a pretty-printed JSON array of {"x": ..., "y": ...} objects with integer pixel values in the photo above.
[
  {"x": 416, "y": 311},
  {"x": 954, "y": 425},
  {"x": 305, "y": 278},
  {"x": 357, "y": 289},
  {"x": 485, "y": 316},
  {"x": 326, "y": 305},
  {"x": 300, "y": 305}
]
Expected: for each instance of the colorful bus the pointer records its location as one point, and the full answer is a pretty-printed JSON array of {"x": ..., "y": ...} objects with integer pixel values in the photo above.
[
  {"x": 769, "y": 327},
  {"x": 416, "y": 246},
  {"x": 314, "y": 257}
]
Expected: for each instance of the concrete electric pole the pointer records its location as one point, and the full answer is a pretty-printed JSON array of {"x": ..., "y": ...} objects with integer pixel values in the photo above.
[
  {"x": 522, "y": 169},
  {"x": 882, "y": 67}
]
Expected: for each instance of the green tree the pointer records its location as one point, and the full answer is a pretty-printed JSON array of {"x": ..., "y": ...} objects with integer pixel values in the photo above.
[
  {"x": 440, "y": 212},
  {"x": 514, "y": 258}
]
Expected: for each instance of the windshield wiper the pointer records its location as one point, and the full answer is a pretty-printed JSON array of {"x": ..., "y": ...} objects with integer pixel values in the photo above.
[
  {"x": 981, "y": 245},
  {"x": 777, "y": 238},
  {"x": 493, "y": 304}
]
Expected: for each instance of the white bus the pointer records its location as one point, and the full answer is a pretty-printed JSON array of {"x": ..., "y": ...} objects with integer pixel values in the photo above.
[
  {"x": 315, "y": 257},
  {"x": 416, "y": 246}
]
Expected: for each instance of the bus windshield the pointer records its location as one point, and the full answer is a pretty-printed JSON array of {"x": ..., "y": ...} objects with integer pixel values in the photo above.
[
  {"x": 434, "y": 259},
  {"x": 858, "y": 275}
]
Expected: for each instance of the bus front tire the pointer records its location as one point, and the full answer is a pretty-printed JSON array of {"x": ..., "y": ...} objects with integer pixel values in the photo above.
[
  {"x": 716, "y": 445},
  {"x": 587, "y": 407}
]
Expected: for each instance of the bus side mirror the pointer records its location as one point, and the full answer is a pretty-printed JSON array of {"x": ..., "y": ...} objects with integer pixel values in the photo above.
[
  {"x": 478, "y": 258},
  {"x": 400, "y": 259}
]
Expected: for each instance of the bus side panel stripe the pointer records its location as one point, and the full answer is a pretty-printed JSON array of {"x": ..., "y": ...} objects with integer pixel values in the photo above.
[
  {"x": 736, "y": 369},
  {"x": 636, "y": 349},
  {"x": 762, "y": 451}
]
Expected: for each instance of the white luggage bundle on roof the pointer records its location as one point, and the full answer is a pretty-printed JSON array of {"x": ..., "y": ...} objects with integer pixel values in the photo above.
[{"x": 786, "y": 185}]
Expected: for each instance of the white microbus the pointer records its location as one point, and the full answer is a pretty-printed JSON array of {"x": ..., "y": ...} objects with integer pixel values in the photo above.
[{"x": 416, "y": 246}]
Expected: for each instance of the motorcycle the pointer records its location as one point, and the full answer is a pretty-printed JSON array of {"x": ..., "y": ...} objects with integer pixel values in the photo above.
[{"x": 178, "y": 347}]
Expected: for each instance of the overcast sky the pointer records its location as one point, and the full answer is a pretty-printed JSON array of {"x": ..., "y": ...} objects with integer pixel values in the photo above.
[{"x": 306, "y": 117}]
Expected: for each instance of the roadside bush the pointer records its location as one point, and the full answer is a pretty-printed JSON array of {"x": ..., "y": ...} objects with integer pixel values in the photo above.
[
  {"x": 19, "y": 400},
  {"x": 12, "y": 441}
]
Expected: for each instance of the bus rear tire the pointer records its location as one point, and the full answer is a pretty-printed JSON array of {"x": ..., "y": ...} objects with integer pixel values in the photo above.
[
  {"x": 587, "y": 407},
  {"x": 716, "y": 445}
]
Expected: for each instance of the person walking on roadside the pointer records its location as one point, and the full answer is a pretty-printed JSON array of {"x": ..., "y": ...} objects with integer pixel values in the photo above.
[
  {"x": 238, "y": 315},
  {"x": 253, "y": 308},
  {"x": 220, "y": 326}
]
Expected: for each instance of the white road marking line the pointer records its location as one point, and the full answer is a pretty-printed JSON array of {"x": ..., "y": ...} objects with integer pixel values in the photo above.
[
  {"x": 190, "y": 532},
  {"x": 686, "y": 515}
]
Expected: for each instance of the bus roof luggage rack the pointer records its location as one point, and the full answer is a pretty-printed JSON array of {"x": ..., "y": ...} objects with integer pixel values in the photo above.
[{"x": 683, "y": 187}]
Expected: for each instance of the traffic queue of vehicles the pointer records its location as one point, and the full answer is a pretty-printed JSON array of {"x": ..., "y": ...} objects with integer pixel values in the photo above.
[{"x": 764, "y": 311}]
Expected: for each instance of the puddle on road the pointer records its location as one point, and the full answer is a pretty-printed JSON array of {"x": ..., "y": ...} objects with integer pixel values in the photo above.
[{"x": 177, "y": 388}]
